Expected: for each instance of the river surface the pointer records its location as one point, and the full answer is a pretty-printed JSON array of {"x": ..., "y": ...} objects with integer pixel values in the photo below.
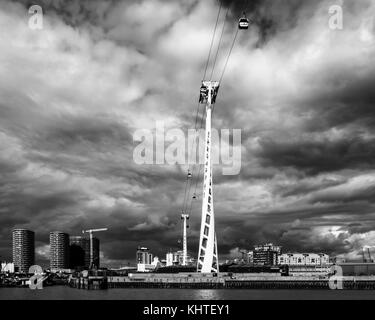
[{"x": 67, "y": 293}]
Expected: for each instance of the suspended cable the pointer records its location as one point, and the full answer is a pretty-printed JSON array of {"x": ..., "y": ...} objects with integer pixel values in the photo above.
[
  {"x": 188, "y": 181},
  {"x": 220, "y": 81},
  {"x": 199, "y": 168},
  {"x": 189, "y": 196},
  {"x": 230, "y": 52},
  {"x": 212, "y": 41},
  {"x": 218, "y": 47}
]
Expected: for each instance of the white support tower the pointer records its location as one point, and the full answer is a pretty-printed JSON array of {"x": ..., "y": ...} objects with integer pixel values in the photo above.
[
  {"x": 184, "y": 217},
  {"x": 208, "y": 261}
]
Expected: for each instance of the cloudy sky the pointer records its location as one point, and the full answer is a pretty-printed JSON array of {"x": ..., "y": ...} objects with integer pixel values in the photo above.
[{"x": 73, "y": 94}]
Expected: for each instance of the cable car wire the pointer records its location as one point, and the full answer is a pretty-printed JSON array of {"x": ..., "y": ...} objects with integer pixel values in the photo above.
[
  {"x": 212, "y": 40},
  {"x": 197, "y": 175},
  {"x": 220, "y": 81},
  {"x": 188, "y": 181},
  {"x": 230, "y": 52},
  {"x": 199, "y": 170},
  {"x": 218, "y": 47},
  {"x": 187, "y": 207}
]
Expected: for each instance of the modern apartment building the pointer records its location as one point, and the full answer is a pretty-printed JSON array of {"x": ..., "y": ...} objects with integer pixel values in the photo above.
[
  {"x": 59, "y": 250},
  {"x": 23, "y": 249}
]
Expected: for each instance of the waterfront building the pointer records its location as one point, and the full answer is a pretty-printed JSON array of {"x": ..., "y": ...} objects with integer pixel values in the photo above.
[
  {"x": 156, "y": 262},
  {"x": 142, "y": 267},
  {"x": 169, "y": 259},
  {"x": 7, "y": 267},
  {"x": 144, "y": 256},
  {"x": 250, "y": 257},
  {"x": 266, "y": 254},
  {"x": 146, "y": 262},
  {"x": 177, "y": 258},
  {"x": 79, "y": 250},
  {"x": 337, "y": 260},
  {"x": 59, "y": 250},
  {"x": 23, "y": 249},
  {"x": 303, "y": 259}
]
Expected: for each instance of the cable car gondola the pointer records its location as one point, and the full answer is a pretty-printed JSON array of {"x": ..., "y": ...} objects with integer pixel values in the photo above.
[{"x": 243, "y": 23}]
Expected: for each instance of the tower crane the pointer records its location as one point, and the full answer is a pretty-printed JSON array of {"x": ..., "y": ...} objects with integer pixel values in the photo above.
[{"x": 90, "y": 232}]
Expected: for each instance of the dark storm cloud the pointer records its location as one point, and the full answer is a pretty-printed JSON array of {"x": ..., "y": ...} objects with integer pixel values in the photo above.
[
  {"x": 351, "y": 99},
  {"x": 305, "y": 187},
  {"x": 75, "y": 93},
  {"x": 319, "y": 156}
]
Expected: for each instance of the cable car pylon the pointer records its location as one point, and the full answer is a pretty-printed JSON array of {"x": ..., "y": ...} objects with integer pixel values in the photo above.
[
  {"x": 208, "y": 260},
  {"x": 184, "y": 217}
]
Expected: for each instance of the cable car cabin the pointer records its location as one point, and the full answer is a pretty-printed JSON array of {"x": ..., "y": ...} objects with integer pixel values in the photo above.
[{"x": 243, "y": 23}]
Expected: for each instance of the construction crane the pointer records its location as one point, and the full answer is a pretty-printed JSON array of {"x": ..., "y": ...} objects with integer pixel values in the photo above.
[
  {"x": 366, "y": 249},
  {"x": 90, "y": 232}
]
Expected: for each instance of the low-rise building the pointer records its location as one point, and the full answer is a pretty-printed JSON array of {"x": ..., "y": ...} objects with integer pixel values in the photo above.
[
  {"x": 7, "y": 267},
  {"x": 266, "y": 254},
  {"x": 176, "y": 258},
  {"x": 303, "y": 259},
  {"x": 169, "y": 259},
  {"x": 144, "y": 256},
  {"x": 143, "y": 267},
  {"x": 250, "y": 257}
]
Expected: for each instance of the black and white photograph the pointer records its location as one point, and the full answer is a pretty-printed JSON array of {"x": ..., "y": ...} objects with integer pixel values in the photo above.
[{"x": 187, "y": 150}]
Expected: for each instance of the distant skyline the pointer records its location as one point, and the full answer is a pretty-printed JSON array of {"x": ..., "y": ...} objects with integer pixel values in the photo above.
[{"x": 73, "y": 94}]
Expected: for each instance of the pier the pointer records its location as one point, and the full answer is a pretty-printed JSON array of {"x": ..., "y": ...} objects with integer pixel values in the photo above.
[{"x": 222, "y": 281}]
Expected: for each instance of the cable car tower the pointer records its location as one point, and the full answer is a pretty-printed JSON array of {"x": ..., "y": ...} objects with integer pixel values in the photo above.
[
  {"x": 207, "y": 255},
  {"x": 208, "y": 261}
]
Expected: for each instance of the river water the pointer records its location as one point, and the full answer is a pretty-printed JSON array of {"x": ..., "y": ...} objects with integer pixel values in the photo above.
[{"x": 67, "y": 293}]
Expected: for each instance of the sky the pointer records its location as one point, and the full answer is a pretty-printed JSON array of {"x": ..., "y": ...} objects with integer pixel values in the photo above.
[{"x": 73, "y": 94}]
